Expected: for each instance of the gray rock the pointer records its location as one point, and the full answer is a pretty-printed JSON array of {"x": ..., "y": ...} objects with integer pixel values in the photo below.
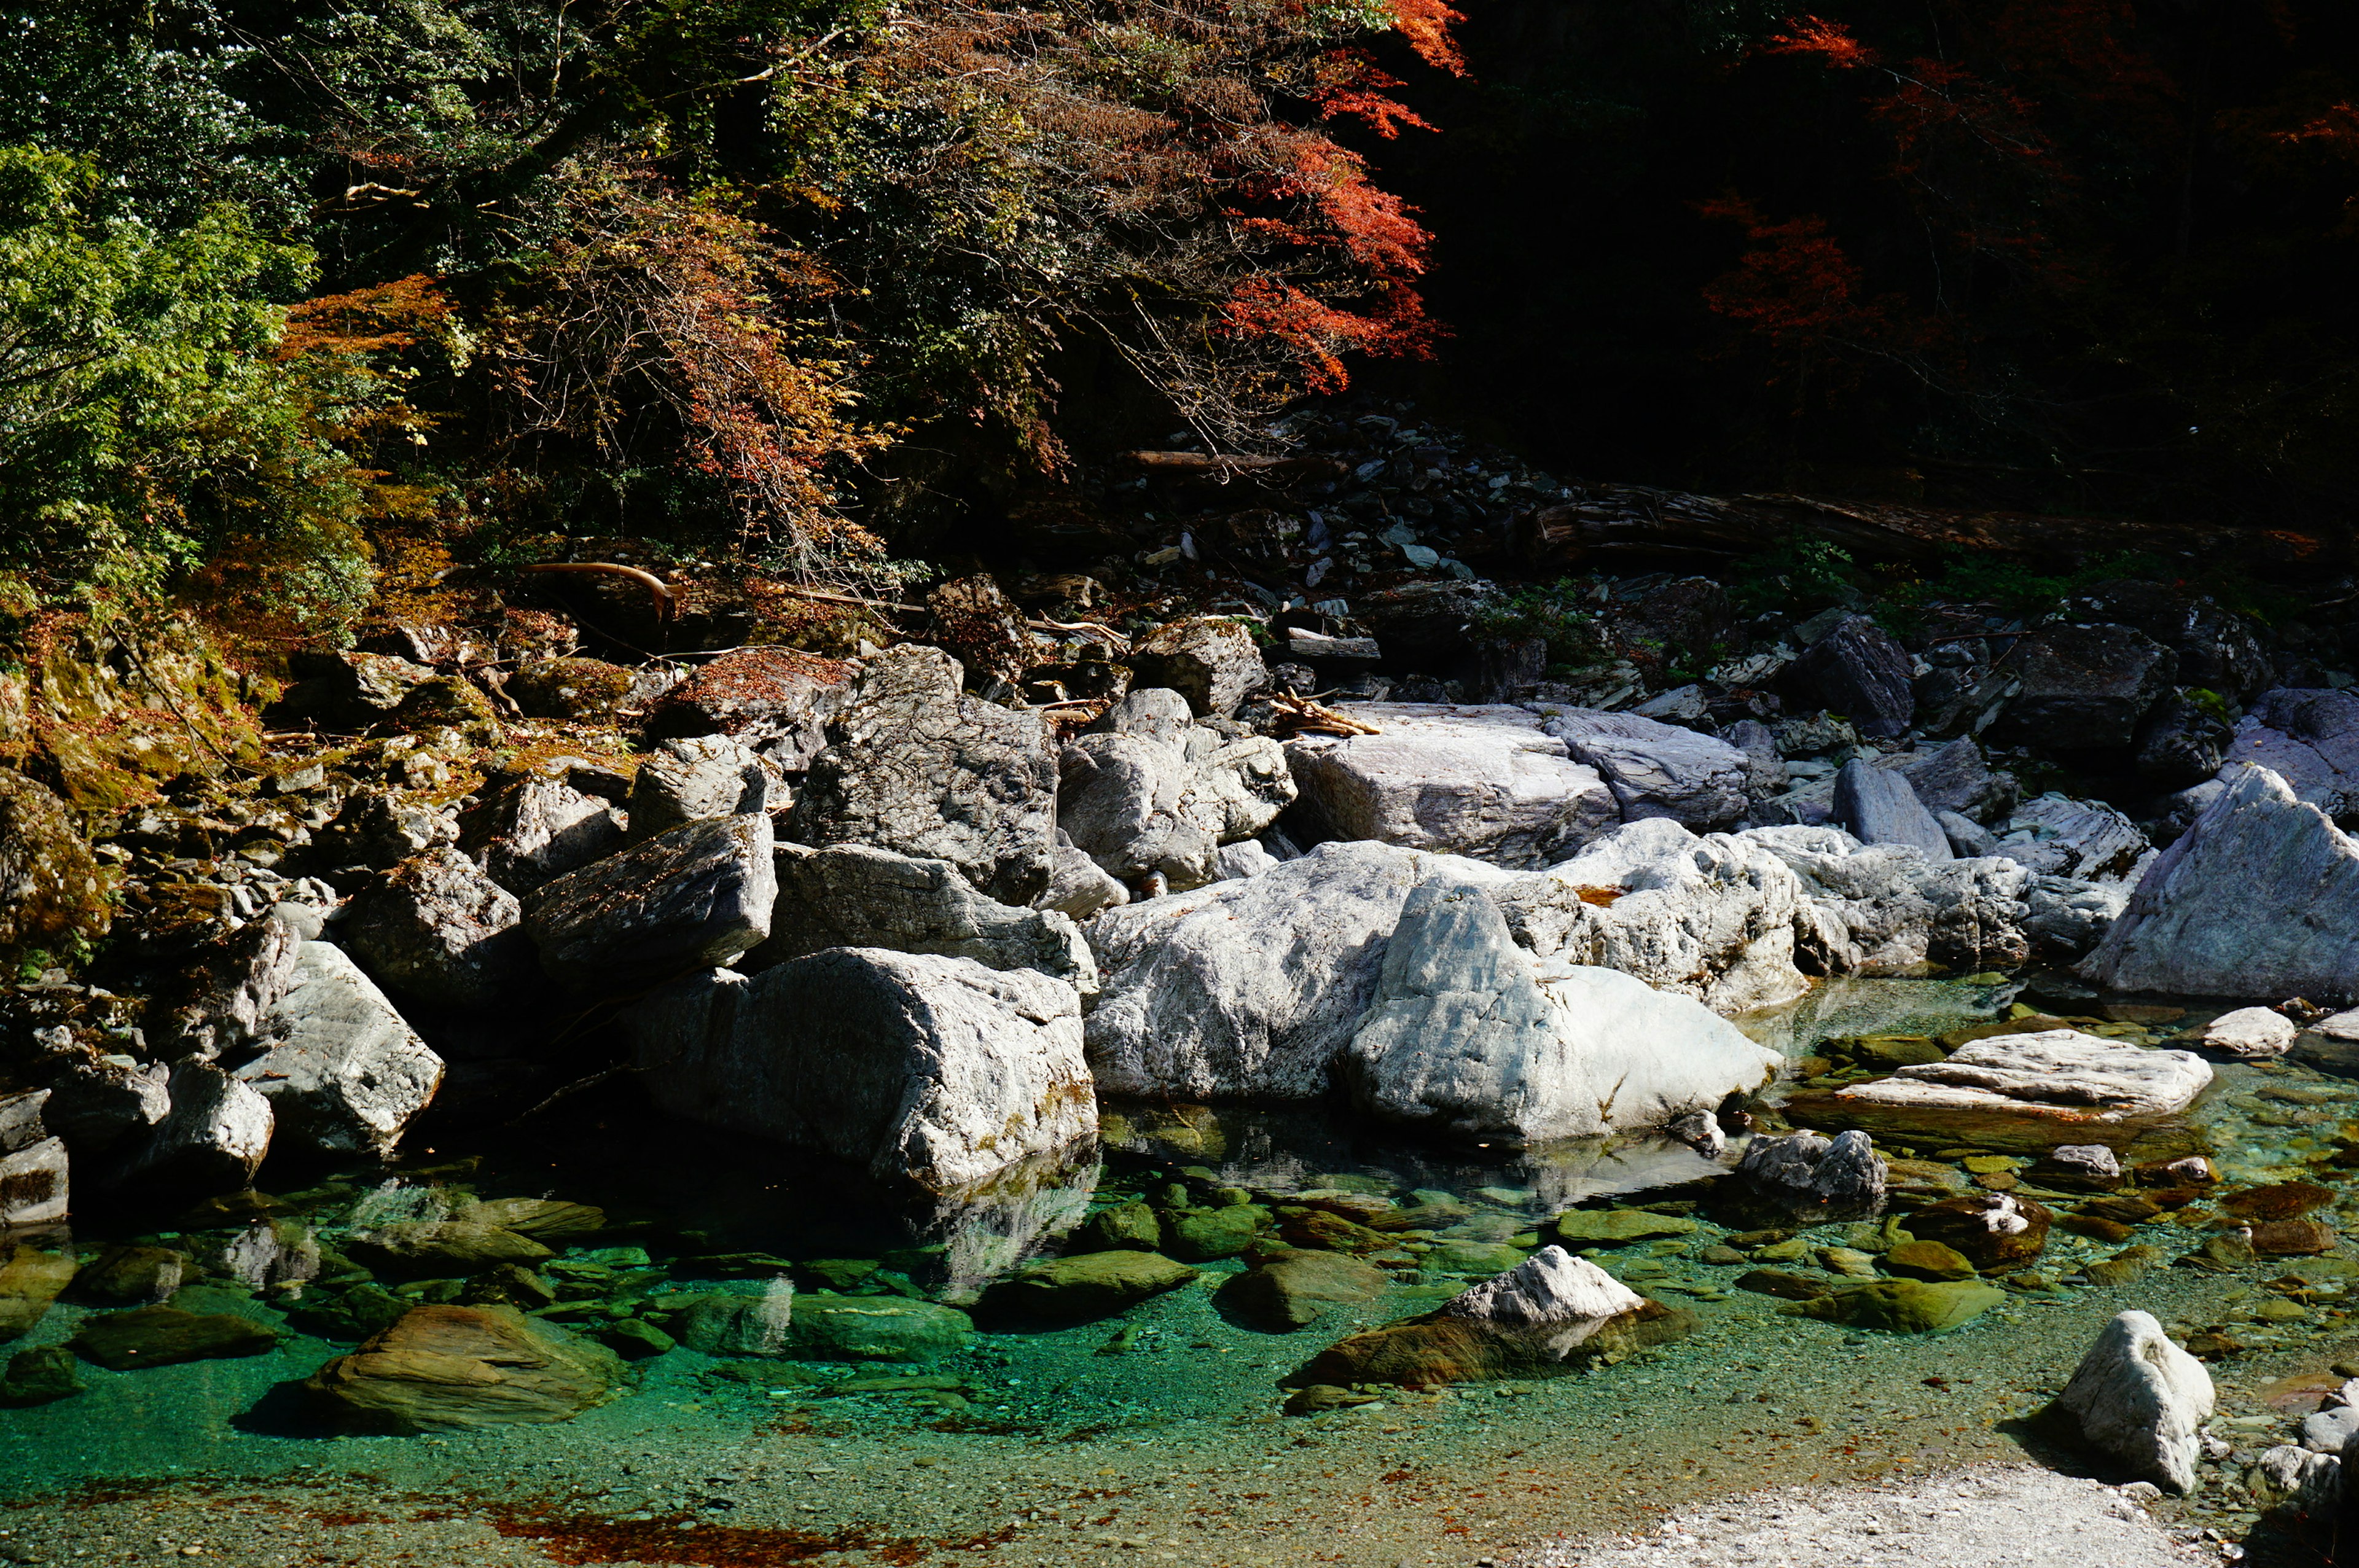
[
  {"x": 1252, "y": 988},
  {"x": 1078, "y": 886},
  {"x": 1969, "y": 840},
  {"x": 2054, "y": 834},
  {"x": 35, "y": 1184},
  {"x": 1468, "y": 1035},
  {"x": 2058, "y": 1076},
  {"x": 342, "y": 1072},
  {"x": 2326, "y": 720},
  {"x": 685, "y": 781},
  {"x": 1210, "y": 661},
  {"x": 1883, "y": 909},
  {"x": 1317, "y": 648},
  {"x": 2142, "y": 1400},
  {"x": 1955, "y": 777},
  {"x": 22, "y": 1120},
  {"x": 1150, "y": 792},
  {"x": 2065, "y": 917},
  {"x": 914, "y": 765},
  {"x": 1878, "y": 805},
  {"x": 2309, "y": 776},
  {"x": 923, "y": 1069},
  {"x": 2180, "y": 744},
  {"x": 1716, "y": 918},
  {"x": 350, "y": 689},
  {"x": 229, "y": 987},
  {"x": 2260, "y": 899},
  {"x": 1483, "y": 782},
  {"x": 440, "y": 932},
  {"x": 98, "y": 1103},
  {"x": 1844, "y": 1170},
  {"x": 1858, "y": 671},
  {"x": 1245, "y": 860},
  {"x": 696, "y": 896},
  {"x": 2086, "y": 688},
  {"x": 853, "y": 896},
  {"x": 1765, "y": 770},
  {"x": 536, "y": 831},
  {"x": 375, "y": 829},
  {"x": 213, "y": 1141},
  {"x": 1656, "y": 769}
]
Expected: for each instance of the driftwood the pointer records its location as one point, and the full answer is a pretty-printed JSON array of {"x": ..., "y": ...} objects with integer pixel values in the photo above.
[
  {"x": 1107, "y": 634},
  {"x": 1221, "y": 467},
  {"x": 1612, "y": 525},
  {"x": 1304, "y": 715},
  {"x": 664, "y": 605}
]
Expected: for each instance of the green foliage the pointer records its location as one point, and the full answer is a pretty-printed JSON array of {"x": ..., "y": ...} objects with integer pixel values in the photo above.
[
  {"x": 1551, "y": 612},
  {"x": 1801, "y": 573}
]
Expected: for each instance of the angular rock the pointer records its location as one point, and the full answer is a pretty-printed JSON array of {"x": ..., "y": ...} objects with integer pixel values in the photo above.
[
  {"x": 977, "y": 621},
  {"x": 1858, "y": 671},
  {"x": 376, "y": 828},
  {"x": 352, "y": 690},
  {"x": 2217, "y": 648},
  {"x": 1078, "y": 886},
  {"x": 31, "y": 1280},
  {"x": 1245, "y": 860},
  {"x": 440, "y": 932},
  {"x": 1765, "y": 770},
  {"x": 1969, "y": 840},
  {"x": 343, "y": 1071},
  {"x": 1995, "y": 1232},
  {"x": 1484, "y": 781},
  {"x": 1933, "y": 1260},
  {"x": 778, "y": 699},
  {"x": 2311, "y": 776},
  {"x": 574, "y": 689},
  {"x": 1254, "y": 987},
  {"x": 1884, "y": 909},
  {"x": 2142, "y": 1400},
  {"x": 2179, "y": 743},
  {"x": 96, "y": 1103},
  {"x": 699, "y": 895},
  {"x": 1715, "y": 918},
  {"x": 687, "y": 780},
  {"x": 851, "y": 896},
  {"x": 2326, "y": 723},
  {"x": 132, "y": 1276},
  {"x": 231, "y": 983},
  {"x": 2066, "y": 918},
  {"x": 536, "y": 831},
  {"x": 1210, "y": 661},
  {"x": 1954, "y": 777},
  {"x": 1878, "y": 806},
  {"x": 1468, "y": 1034},
  {"x": 1655, "y": 769},
  {"x": 2086, "y": 688},
  {"x": 1294, "y": 1289},
  {"x": 214, "y": 1137},
  {"x": 923, "y": 1069},
  {"x": 2251, "y": 1031},
  {"x": 1150, "y": 793},
  {"x": 2053, "y": 835},
  {"x": 166, "y": 1337},
  {"x": 2260, "y": 899},
  {"x": 1088, "y": 1285},
  {"x": 1844, "y": 1171},
  {"x": 456, "y": 1368},
  {"x": 35, "y": 1188},
  {"x": 914, "y": 765}
]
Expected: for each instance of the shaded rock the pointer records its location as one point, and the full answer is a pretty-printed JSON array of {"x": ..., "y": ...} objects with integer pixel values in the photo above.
[
  {"x": 2054, "y": 834},
  {"x": 35, "y": 1188},
  {"x": 914, "y": 765},
  {"x": 219, "y": 1002},
  {"x": 132, "y": 1276},
  {"x": 1131, "y": 1227},
  {"x": 740, "y": 1325},
  {"x": 778, "y": 699},
  {"x": 355, "y": 1313},
  {"x": 1714, "y": 918},
  {"x": 1994, "y": 1231},
  {"x": 1845, "y": 1170},
  {"x": 2217, "y": 649},
  {"x": 543, "y": 1220},
  {"x": 1089, "y": 1285},
  {"x": 30, "y": 1280},
  {"x": 1858, "y": 671},
  {"x": 698, "y": 895},
  {"x": 921, "y": 1068},
  {"x": 1656, "y": 769},
  {"x": 689, "y": 779},
  {"x": 455, "y": 1369},
  {"x": 1484, "y": 781},
  {"x": 214, "y": 1137},
  {"x": 437, "y": 1247},
  {"x": 375, "y": 829},
  {"x": 1250, "y": 988},
  {"x": 2179, "y": 743},
  {"x": 96, "y": 1103},
  {"x": 165, "y": 1336},
  {"x": 2126, "y": 1267},
  {"x": 439, "y": 931},
  {"x": 636, "y": 1339},
  {"x": 2253, "y": 1032},
  {"x": 1425, "y": 625},
  {"x": 574, "y": 689},
  {"x": 2141, "y": 1401},
  {"x": 2260, "y": 899},
  {"x": 1955, "y": 777},
  {"x": 1903, "y": 1306},
  {"x": 2310, "y": 776},
  {"x": 1291, "y": 1289},
  {"x": 2067, "y": 917},
  {"x": 509, "y": 1284},
  {"x": 41, "y": 1376},
  {"x": 2292, "y": 1238},
  {"x": 342, "y": 1072},
  {"x": 528, "y": 836},
  {"x": 1210, "y": 661},
  {"x": 853, "y": 896},
  {"x": 1878, "y": 806},
  {"x": 1078, "y": 886},
  {"x": 1467, "y": 1033},
  {"x": 2086, "y": 688}
]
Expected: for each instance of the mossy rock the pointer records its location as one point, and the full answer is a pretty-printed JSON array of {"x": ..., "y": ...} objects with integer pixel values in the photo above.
[
  {"x": 41, "y": 1376},
  {"x": 1931, "y": 1260},
  {"x": 455, "y": 1369},
  {"x": 575, "y": 690},
  {"x": 428, "y": 1247},
  {"x": 1480, "y": 1258},
  {"x": 355, "y": 1314},
  {"x": 876, "y": 1328},
  {"x": 1617, "y": 1227},
  {"x": 1199, "y": 1235},
  {"x": 636, "y": 1339},
  {"x": 30, "y": 1280},
  {"x": 1293, "y": 1288},
  {"x": 1890, "y": 1051},
  {"x": 1130, "y": 1226},
  {"x": 52, "y": 895},
  {"x": 165, "y": 1336},
  {"x": 448, "y": 701},
  {"x": 1082, "y": 1286},
  {"x": 1434, "y": 1350},
  {"x": 1903, "y": 1306}
]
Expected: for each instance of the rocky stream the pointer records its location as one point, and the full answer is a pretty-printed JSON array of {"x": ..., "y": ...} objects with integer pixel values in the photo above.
[{"x": 1285, "y": 1050}]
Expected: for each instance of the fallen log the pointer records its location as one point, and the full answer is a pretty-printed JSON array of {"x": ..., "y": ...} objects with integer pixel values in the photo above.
[
  {"x": 1221, "y": 467},
  {"x": 1608, "y": 526}
]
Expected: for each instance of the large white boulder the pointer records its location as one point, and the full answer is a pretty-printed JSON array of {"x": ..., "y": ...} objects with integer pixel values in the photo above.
[
  {"x": 1713, "y": 917},
  {"x": 2057, "y": 1073},
  {"x": 1474, "y": 780},
  {"x": 1884, "y": 909},
  {"x": 926, "y": 1070},
  {"x": 1656, "y": 769},
  {"x": 2142, "y": 1400},
  {"x": 1252, "y": 988},
  {"x": 2260, "y": 899},
  {"x": 1149, "y": 790},
  {"x": 1468, "y": 1033},
  {"x": 343, "y": 1073}
]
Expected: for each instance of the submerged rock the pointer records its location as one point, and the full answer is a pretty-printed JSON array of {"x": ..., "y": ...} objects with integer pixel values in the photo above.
[
  {"x": 30, "y": 1280},
  {"x": 1903, "y": 1306},
  {"x": 165, "y": 1336},
  {"x": 1995, "y": 1232},
  {"x": 2142, "y": 1400},
  {"x": 1083, "y": 1286},
  {"x": 41, "y": 1376},
  {"x": 454, "y": 1368},
  {"x": 1291, "y": 1289},
  {"x": 443, "y": 1246}
]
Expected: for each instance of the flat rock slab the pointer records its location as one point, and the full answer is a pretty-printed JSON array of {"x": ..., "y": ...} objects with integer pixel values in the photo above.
[
  {"x": 165, "y": 1336},
  {"x": 1484, "y": 780},
  {"x": 2081, "y": 1086}
]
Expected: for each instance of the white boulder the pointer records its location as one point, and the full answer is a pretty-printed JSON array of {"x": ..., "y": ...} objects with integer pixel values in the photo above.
[
  {"x": 2059, "y": 1074},
  {"x": 2251, "y": 1032},
  {"x": 1884, "y": 909},
  {"x": 2142, "y": 1400},
  {"x": 1550, "y": 1287},
  {"x": 343, "y": 1071}
]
